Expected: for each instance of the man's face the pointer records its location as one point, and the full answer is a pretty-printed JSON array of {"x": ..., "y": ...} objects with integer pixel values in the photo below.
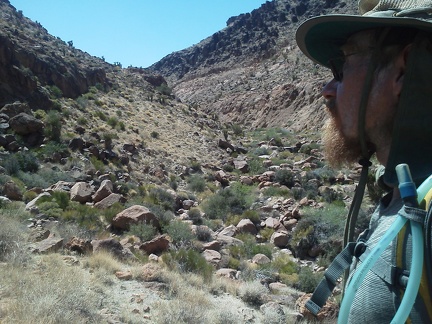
[{"x": 341, "y": 135}]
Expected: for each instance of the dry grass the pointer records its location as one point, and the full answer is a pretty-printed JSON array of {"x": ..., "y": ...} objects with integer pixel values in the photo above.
[{"x": 48, "y": 292}]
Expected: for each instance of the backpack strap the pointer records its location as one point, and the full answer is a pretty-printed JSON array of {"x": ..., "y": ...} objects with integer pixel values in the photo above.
[{"x": 336, "y": 269}]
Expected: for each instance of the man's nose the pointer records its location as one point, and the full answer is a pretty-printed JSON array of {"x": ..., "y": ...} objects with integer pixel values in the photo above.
[{"x": 329, "y": 90}]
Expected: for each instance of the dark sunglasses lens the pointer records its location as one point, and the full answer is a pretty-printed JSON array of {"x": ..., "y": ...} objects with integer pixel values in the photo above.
[{"x": 336, "y": 66}]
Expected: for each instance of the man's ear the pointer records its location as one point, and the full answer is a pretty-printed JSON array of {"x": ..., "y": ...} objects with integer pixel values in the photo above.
[{"x": 400, "y": 64}]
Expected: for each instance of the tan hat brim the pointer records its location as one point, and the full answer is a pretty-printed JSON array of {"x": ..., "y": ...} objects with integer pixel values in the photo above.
[{"x": 320, "y": 38}]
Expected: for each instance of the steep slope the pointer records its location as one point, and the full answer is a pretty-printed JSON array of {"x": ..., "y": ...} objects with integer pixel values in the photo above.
[{"x": 252, "y": 72}]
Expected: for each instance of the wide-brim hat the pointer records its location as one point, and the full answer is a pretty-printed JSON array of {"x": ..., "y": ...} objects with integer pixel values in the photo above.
[{"x": 320, "y": 38}]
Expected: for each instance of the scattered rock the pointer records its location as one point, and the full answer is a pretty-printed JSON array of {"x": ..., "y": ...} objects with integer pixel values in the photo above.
[
  {"x": 156, "y": 246},
  {"x": 134, "y": 215},
  {"x": 81, "y": 192}
]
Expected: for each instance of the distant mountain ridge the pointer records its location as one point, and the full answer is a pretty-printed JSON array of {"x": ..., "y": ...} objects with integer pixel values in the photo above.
[{"x": 251, "y": 72}]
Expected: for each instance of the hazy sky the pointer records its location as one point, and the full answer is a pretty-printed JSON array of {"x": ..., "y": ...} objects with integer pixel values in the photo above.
[{"x": 133, "y": 32}]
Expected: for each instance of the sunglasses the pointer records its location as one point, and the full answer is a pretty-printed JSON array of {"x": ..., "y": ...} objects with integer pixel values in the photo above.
[{"x": 336, "y": 66}]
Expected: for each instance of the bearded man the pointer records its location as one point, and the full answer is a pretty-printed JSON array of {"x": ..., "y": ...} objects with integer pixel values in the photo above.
[{"x": 379, "y": 102}]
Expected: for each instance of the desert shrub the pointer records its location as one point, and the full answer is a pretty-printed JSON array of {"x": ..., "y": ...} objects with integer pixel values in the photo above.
[
  {"x": 180, "y": 232},
  {"x": 195, "y": 166},
  {"x": 161, "y": 197},
  {"x": 188, "y": 260},
  {"x": 55, "y": 92},
  {"x": 164, "y": 89},
  {"x": 297, "y": 193},
  {"x": 266, "y": 233},
  {"x": 308, "y": 280},
  {"x": 53, "y": 147},
  {"x": 234, "y": 199},
  {"x": 112, "y": 121},
  {"x": 83, "y": 215},
  {"x": 196, "y": 183},
  {"x": 82, "y": 102},
  {"x": 285, "y": 177},
  {"x": 252, "y": 215},
  {"x": 144, "y": 231},
  {"x": 194, "y": 215},
  {"x": 237, "y": 129},
  {"x": 256, "y": 166},
  {"x": 261, "y": 151},
  {"x": 50, "y": 209},
  {"x": 101, "y": 115},
  {"x": 233, "y": 263},
  {"x": 12, "y": 235},
  {"x": 283, "y": 264},
  {"x": 154, "y": 134},
  {"x": 252, "y": 293},
  {"x": 203, "y": 233},
  {"x": 249, "y": 248},
  {"x": 228, "y": 167},
  {"x": 276, "y": 192},
  {"x": 24, "y": 161},
  {"x": 307, "y": 148},
  {"x": 53, "y": 126},
  {"x": 323, "y": 227},
  {"x": 112, "y": 211}
]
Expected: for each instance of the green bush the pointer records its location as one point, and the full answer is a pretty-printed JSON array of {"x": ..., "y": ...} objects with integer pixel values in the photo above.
[
  {"x": 160, "y": 197},
  {"x": 234, "y": 199},
  {"x": 180, "y": 233},
  {"x": 276, "y": 192},
  {"x": 83, "y": 215},
  {"x": 285, "y": 177},
  {"x": 144, "y": 231},
  {"x": 53, "y": 126},
  {"x": 55, "y": 92},
  {"x": 196, "y": 183},
  {"x": 323, "y": 227},
  {"x": 194, "y": 215},
  {"x": 308, "y": 280},
  {"x": 256, "y": 166},
  {"x": 112, "y": 121},
  {"x": 154, "y": 134},
  {"x": 24, "y": 161},
  {"x": 249, "y": 248},
  {"x": 188, "y": 260}
]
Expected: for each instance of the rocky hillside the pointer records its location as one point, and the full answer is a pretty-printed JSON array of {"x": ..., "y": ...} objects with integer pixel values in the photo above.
[
  {"x": 194, "y": 212},
  {"x": 251, "y": 72}
]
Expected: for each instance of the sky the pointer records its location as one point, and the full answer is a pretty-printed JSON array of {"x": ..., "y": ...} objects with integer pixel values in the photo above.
[{"x": 133, "y": 32}]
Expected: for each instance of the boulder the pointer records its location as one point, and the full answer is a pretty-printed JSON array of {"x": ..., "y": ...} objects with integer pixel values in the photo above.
[
  {"x": 12, "y": 191},
  {"x": 229, "y": 231},
  {"x": 213, "y": 257},
  {"x": 32, "y": 203},
  {"x": 81, "y": 192},
  {"x": 112, "y": 246},
  {"x": 213, "y": 245},
  {"x": 241, "y": 165},
  {"x": 107, "y": 202},
  {"x": 105, "y": 189},
  {"x": 134, "y": 215},
  {"x": 24, "y": 124},
  {"x": 246, "y": 226},
  {"x": 226, "y": 272},
  {"x": 79, "y": 245},
  {"x": 228, "y": 240},
  {"x": 279, "y": 239},
  {"x": 15, "y": 108},
  {"x": 156, "y": 246},
  {"x": 124, "y": 275},
  {"x": 260, "y": 259},
  {"x": 49, "y": 245}
]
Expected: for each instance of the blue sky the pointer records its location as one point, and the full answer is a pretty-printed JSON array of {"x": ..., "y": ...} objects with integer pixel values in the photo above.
[{"x": 133, "y": 32}]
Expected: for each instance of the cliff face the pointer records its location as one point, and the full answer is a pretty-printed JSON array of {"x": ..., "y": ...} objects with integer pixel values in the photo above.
[
  {"x": 252, "y": 72},
  {"x": 32, "y": 62}
]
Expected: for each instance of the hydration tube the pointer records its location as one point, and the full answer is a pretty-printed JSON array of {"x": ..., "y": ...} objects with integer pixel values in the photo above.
[{"x": 409, "y": 196}]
